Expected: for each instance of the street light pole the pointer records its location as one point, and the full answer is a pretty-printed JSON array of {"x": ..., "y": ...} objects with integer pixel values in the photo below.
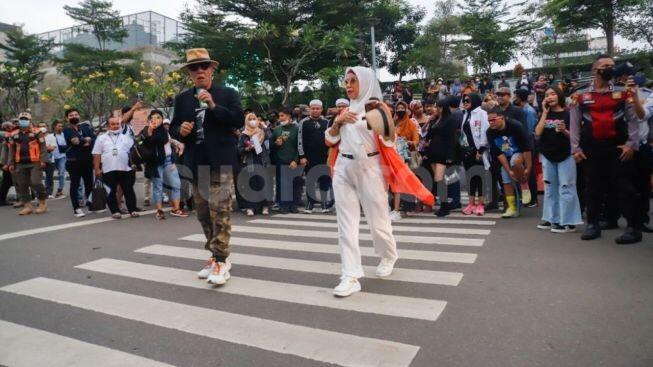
[{"x": 373, "y": 50}]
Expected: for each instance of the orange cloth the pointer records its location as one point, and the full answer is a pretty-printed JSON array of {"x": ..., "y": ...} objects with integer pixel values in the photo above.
[
  {"x": 397, "y": 174},
  {"x": 408, "y": 130}
]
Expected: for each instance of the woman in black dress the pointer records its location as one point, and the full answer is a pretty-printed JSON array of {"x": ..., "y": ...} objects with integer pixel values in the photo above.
[{"x": 441, "y": 140}]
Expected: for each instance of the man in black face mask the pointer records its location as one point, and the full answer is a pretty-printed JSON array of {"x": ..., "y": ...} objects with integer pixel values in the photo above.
[
  {"x": 79, "y": 160},
  {"x": 604, "y": 134}
]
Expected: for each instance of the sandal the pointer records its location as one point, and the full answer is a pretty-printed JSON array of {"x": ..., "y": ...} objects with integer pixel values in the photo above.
[
  {"x": 160, "y": 215},
  {"x": 116, "y": 216},
  {"x": 134, "y": 215}
]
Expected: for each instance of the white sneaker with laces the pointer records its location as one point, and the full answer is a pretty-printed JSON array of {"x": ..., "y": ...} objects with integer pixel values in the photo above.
[
  {"x": 79, "y": 213},
  {"x": 348, "y": 285},
  {"x": 206, "y": 270},
  {"x": 385, "y": 267},
  {"x": 219, "y": 273},
  {"x": 395, "y": 216}
]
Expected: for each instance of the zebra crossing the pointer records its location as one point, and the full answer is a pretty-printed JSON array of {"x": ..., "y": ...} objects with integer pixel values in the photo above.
[{"x": 290, "y": 244}]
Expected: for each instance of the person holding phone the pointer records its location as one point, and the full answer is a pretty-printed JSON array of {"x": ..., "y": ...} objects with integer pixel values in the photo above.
[{"x": 561, "y": 212}]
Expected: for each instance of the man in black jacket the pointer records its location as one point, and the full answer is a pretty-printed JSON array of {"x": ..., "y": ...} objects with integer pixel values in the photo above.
[
  {"x": 79, "y": 160},
  {"x": 205, "y": 118},
  {"x": 313, "y": 153}
]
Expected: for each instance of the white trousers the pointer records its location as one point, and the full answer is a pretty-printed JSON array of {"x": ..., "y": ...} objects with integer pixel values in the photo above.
[{"x": 359, "y": 183}]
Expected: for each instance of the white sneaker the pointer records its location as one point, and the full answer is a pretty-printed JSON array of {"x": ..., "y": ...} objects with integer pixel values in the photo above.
[
  {"x": 308, "y": 210},
  {"x": 265, "y": 211},
  {"x": 50, "y": 197},
  {"x": 249, "y": 213},
  {"x": 347, "y": 286},
  {"x": 385, "y": 267},
  {"x": 395, "y": 216},
  {"x": 79, "y": 213},
  {"x": 219, "y": 273},
  {"x": 326, "y": 210},
  {"x": 206, "y": 270}
]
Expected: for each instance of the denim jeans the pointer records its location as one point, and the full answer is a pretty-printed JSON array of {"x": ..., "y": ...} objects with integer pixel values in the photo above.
[
  {"x": 561, "y": 203},
  {"x": 167, "y": 173},
  {"x": 60, "y": 167}
]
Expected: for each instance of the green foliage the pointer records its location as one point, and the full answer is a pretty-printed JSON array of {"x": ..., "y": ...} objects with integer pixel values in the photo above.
[
  {"x": 403, "y": 39},
  {"x": 639, "y": 25},
  {"x": 20, "y": 73},
  {"x": 586, "y": 14},
  {"x": 492, "y": 33},
  {"x": 99, "y": 17}
]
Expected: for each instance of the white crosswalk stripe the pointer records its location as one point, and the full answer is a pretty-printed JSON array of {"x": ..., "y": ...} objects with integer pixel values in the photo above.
[
  {"x": 22, "y": 346},
  {"x": 407, "y": 220},
  {"x": 309, "y": 266},
  {"x": 316, "y": 344},
  {"x": 395, "y": 227},
  {"x": 430, "y": 240},
  {"x": 417, "y": 308},
  {"x": 441, "y": 256},
  {"x": 291, "y": 235}
]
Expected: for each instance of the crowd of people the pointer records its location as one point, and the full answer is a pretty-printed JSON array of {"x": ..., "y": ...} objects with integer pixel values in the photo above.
[{"x": 390, "y": 154}]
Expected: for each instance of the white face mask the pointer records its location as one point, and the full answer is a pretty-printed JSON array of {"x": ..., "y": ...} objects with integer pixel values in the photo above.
[
  {"x": 252, "y": 123},
  {"x": 284, "y": 123},
  {"x": 43, "y": 130}
]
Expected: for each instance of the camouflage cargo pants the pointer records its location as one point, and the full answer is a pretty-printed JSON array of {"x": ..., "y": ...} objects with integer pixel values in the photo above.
[{"x": 214, "y": 214}]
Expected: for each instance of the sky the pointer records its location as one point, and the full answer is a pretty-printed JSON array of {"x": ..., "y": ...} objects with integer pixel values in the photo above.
[{"x": 39, "y": 16}]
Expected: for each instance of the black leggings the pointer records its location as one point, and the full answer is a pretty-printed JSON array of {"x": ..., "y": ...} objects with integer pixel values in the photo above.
[
  {"x": 475, "y": 182},
  {"x": 79, "y": 170},
  {"x": 126, "y": 181}
]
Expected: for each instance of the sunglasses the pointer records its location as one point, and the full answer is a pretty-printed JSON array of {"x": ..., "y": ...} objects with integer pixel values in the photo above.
[
  {"x": 494, "y": 119},
  {"x": 202, "y": 65},
  {"x": 467, "y": 100}
]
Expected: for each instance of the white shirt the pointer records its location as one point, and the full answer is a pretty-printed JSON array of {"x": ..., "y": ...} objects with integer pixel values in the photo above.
[
  {"x": 51, "y": 141},
  {"x": 355, "y": 139},
  {"x": 60, "y": 140},
  {"x": 114, "y": 151}
]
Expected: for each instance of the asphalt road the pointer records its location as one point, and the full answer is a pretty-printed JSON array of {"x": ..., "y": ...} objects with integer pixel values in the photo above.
[{"x": 467, "y": 292}]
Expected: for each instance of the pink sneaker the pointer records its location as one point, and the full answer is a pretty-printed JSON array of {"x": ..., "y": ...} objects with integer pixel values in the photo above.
[
  {"x": 480, "y": 210},
  {"x": 469, "y": 209}
]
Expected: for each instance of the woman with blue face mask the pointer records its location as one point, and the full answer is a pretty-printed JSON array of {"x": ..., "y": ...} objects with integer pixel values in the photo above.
[{"x": 27, "y": 159}]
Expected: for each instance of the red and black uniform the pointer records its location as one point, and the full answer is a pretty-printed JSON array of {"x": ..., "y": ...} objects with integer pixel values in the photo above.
[{"x": 599, "y": 123}]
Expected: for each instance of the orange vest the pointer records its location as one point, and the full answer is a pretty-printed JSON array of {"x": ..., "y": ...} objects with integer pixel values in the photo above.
[{"x": 34, "y": 151}]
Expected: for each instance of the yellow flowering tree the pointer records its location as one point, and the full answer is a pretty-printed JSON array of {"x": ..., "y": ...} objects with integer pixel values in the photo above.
[
  {"x": 156, "y": 87},
  {"x": 95, "y": 95}
]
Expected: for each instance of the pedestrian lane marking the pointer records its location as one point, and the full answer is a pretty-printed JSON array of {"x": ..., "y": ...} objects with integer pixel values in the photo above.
[
  {"x": 22, "y": 346},
  {"x": 308, "y": 266},
  {"x": 311, "y": 343},
  {"x": 431, "y": 240},
  {"x": 395, "y": 227},
  {"x": 387, "y": 305},
  {"x": 441, "y": 256},
  {"x": 405, "y": 220},
  {"x": 59, "y": 227}
]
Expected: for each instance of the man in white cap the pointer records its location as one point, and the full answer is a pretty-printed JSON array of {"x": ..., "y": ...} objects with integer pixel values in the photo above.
[{"x": 313, "y": 152}]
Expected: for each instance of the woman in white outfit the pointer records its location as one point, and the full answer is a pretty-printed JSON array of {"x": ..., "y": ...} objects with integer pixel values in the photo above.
[{"x": 359, "y": 181}]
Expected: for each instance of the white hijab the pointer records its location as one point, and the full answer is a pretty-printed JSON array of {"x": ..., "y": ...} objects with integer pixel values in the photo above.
[{"x": 369, "y": 87}]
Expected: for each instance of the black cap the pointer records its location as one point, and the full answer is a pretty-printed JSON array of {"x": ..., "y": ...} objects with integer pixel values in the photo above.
[{"x": 624, "y": 69}]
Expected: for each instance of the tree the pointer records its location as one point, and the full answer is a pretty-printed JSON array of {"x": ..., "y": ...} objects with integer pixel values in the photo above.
[
  {"x": 402, "y": 40},
  {"x": 435, "y": 51},
  {"x": 21, "y": 72},
  {"x": 639, "y": 25},
  {"x": 491, "y": 32},
  {"x": 285, "y": 41},
  {"x": 585, "y": 14},
  {"x": 99, "y": 17}
]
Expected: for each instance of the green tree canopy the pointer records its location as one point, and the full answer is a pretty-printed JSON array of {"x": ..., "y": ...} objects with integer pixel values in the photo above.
[
  {"x": 21, "y": 72},
  {"x": 586, "y": 14}
]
